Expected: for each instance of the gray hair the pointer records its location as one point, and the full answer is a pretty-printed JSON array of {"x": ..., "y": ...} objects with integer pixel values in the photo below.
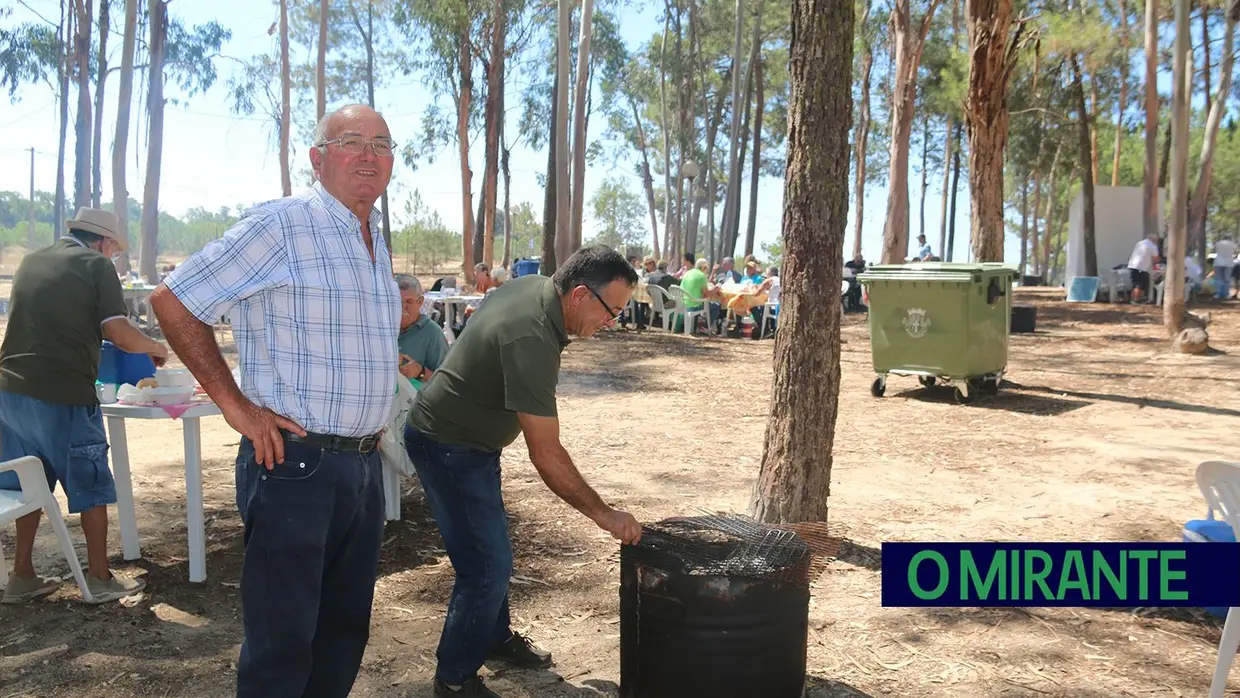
[
  {"x": 728, "y": 260},
  {"x": 703, "y": 264},
  {"x": 410, "y": 283}
]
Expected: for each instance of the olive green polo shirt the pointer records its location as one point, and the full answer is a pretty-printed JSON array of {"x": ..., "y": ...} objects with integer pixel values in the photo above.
[
  {"x": 61, "y": 297},
  {"x": 506, "y": 361}
]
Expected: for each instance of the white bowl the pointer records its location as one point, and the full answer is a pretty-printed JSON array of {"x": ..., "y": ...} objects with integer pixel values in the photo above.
[
  {"x": 168, "y": 396},
  {"x": 174, "y": 378}
]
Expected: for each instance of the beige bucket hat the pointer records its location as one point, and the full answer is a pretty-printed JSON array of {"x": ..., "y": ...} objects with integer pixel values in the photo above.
[{"x": 99, "y": 222}]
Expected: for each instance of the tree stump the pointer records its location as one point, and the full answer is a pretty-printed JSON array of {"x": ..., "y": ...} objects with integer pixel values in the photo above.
[{"x": 1193, "y": 340}]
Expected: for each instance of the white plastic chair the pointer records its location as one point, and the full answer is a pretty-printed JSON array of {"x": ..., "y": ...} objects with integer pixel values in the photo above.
[
  {"x": 660, "y": 301},
  {"x": 691, "y": 316},
  {"x": 1158, "y": 291},
  {"x": 1220, "y": 485},
  {"x": 770, "y": 308},
  {"x": 35, "y": 495}
]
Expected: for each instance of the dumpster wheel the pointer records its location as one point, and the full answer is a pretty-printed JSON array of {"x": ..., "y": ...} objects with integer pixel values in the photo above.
[
  {"x": 879, "y": 386},
  {"x": 927, "y": 382},
  {"x": 965, "y": 393}
]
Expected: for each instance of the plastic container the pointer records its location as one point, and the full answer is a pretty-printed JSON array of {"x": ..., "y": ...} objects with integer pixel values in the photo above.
[
  {"x": 1209, "y": 531},
  {"x": 525, "y": 267},
  {"x": 939, "y": 321},
  {"x": 119, "y": 366}
]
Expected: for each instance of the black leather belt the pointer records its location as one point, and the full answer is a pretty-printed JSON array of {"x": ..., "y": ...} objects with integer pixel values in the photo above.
[{"x": 360, "y": 444}]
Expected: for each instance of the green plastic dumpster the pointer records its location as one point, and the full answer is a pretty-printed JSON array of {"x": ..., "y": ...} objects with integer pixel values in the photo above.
[{"x": 945, "y": 323}]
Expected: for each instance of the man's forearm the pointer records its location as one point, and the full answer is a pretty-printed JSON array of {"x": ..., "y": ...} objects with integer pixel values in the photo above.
[
  {"x": 556, "y": 468},
  {"x": 194, "y": 342},
  {"x": 128, "y": 338}
]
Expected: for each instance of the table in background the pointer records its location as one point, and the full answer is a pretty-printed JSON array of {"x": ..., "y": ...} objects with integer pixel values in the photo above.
[
  {"x": 116, "y": 415},
  {"x": 451, "y": 306}
]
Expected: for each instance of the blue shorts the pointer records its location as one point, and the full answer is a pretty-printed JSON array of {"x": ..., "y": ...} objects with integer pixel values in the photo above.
[{"x": 70, "y": 441}]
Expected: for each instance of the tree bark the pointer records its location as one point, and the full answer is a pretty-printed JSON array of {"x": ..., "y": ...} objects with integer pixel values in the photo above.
[
  {"x": 1024, "y": 226},
  {"x": 1201, "y": 192},
  {"x": 320, "y": 82},
  {"x": 756, "y": 172},
  {"x": 951, "y": 220},
  {"x": 563, "y": 187},
  {"x": 734, "y": 135},
  {"x": 580, "y": 98},
  {"x": 669, "y": 224},
  {"x": 908, "y": 45},
  {"x": 158, "y": 21},
  {"x": 1087, "y": 172},
  {"x": 465, "y": 66},
  {"x": 96, "y": 159},
  {"x": 494, "y": 122},
  {"x": 1033, "y": 232},
  {"x": 947, "y": 147},
  {"x": 647, "y": 179},
  {"x": 991, "y": 60},
  {"x": 1205, "y": 54},
  {"x": 1149, "y": 192},
  {"x": 1173, "y": 282},
  {"x": 120, "y": 191},
  {"x": 507, "y": 259},
  {"x": 862, "y": 138},
  {"x": 1123, "y": 90},
  {"x": 925, "y": 182},
  {"x": 1051, "y": 197},
  {"x": 81, "y": 55},
  {"x": 689, "y": 131},
  {"x": 795, "y": 477},
  {"x": 286, "y": 103}
]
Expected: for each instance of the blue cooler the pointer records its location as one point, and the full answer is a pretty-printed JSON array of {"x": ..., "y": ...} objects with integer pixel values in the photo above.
[
  {"x": 1210, "y": 531},
  {"x": 119, "y": 366},
  {"x": 525, "y": 267}
]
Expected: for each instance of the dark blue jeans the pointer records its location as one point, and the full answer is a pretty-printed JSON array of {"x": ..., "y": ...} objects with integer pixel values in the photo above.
[
  {"x": 313, "y": 529},
  {"x": 463, "y": 488}
]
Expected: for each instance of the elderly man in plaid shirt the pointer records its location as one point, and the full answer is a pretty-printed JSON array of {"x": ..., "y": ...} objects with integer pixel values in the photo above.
[{"x": 315, "y": 313}]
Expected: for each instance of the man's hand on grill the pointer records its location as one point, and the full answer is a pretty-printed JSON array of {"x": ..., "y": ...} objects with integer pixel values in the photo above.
[{"x": 622, "y": 526}]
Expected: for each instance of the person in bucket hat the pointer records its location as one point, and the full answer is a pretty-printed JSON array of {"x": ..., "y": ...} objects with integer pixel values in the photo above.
[{"x": 66, "y": 300}]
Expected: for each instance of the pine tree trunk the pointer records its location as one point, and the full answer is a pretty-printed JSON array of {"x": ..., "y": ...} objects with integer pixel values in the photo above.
[
  {"x": 951, "y": 220},
  {"x": 1087, "y": 172},
  {"x": 1201, "y": 192},
  {"x": 155, "y": 143},
  {"x": 1033, "y": 233},
  {"x": 494, "y": 122},
  {"x": 81, "y": 54},
  {"x": 550, "y": 195},
  {"x": 1149, "y": 192},
  {"x": 67, "y": 14},
  {"x": 96, "y": 160},
  {"x": 756, "y": 172},
  {"x": 947, "y": 183},
  {"x": 863, "y": 133},
  {"x": 1051, "y": 198},
  {"x": 647, "y": 179},
  {"x": 563, "y": 187},
  {"x": 465, "y": 66},
  {"x": 925, "y": 182},
  {"x": 737, "y": 108},
  {"x": 795, "y": 477},
  {"x": 986, "y": 118},
  {"x": 1181, "y": 89},
  {"x": 507, "y": 259},
  {"x": 908, "y": 45},
  {"x": 1024, "y": 226},
  {"x": 286, "y": 103},
  {"x": 1125, "y": 58},
  {"x": 120, "y": 191}
]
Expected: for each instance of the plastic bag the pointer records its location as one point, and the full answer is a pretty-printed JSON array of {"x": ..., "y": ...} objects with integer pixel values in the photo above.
[{"x": 392, "y": 442}]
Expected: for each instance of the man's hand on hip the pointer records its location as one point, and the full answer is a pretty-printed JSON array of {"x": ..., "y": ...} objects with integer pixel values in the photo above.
[
  {"x": 262, "y": 427},
  {"x": 621, "y": 525}
]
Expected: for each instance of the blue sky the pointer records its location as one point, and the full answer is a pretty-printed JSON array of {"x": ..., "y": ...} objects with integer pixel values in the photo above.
[{"x": 213, "y": 158}]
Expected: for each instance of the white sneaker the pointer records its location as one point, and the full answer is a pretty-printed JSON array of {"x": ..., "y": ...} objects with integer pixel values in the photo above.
[{"x": 21, "y": 590}]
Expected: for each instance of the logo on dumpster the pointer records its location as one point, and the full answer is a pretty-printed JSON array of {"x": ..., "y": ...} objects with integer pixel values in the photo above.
[{"x": 916, "y": 322}]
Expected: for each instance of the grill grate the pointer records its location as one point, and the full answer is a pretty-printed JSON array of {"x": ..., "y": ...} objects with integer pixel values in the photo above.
[{"x": 726, "y": 546}]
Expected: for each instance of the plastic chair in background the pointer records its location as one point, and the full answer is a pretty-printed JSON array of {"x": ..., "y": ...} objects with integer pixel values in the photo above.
[
  {"x": 661, "y": 302},
  {"x": 691, "y": 316},
  {"x": 1219, "y": 482},
  {"x": 35, "y": 495}
]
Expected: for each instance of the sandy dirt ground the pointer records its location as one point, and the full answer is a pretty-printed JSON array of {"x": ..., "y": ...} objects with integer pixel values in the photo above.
[{"x": 1095, "y": 437}]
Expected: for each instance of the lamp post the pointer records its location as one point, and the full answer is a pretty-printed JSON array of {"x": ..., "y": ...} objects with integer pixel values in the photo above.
[{"x": 689, "y": 170}]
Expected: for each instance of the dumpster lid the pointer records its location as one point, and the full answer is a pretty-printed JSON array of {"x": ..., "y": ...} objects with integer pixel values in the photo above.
[{"x": 950, "y": 272}]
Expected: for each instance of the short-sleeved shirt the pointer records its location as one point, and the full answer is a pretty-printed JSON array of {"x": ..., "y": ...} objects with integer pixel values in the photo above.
[
  {"x": 1143, "y": 256},
  {"x": 506, "y": 361},
  {"x": 424, "y": 343},
  {"x": 61, "y": 297},
  {"x": 694, "y": 284},
  {"x": 314, "y": 317}
]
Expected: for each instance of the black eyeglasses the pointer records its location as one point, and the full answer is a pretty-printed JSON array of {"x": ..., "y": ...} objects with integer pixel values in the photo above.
[{"x": 613, "y": 314}]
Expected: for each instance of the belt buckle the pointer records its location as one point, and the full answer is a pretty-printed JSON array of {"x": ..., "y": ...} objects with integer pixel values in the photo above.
[{"x": 367, "y": 443}]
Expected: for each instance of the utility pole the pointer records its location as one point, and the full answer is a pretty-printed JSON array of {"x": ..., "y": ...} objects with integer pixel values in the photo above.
[{"x": 30, "y": 232}]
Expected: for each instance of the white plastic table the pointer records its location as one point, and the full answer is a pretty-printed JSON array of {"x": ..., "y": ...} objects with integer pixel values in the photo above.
[
  {"x": 116, "y": 415},
  {"x": 453, "y": 305}
]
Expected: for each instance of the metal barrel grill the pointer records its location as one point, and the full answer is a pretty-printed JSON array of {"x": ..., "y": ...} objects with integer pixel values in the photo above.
[{"x": 714, "y": 606}]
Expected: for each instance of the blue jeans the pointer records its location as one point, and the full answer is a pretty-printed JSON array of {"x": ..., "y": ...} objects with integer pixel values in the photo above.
[
  {"x": 463, "y": 488},
  {"x": 313, "y": 528},
  {"x": 1222, "y": 282},
  {"x": 70, "y": 441}
]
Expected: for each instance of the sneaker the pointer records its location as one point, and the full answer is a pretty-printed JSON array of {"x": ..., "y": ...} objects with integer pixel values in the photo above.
[
  {"x": 114, "y": 589},
  {"x": 473, "y": 688},
  {"x": 518, "y": 650},
  {"x": 21, "y": 590}
]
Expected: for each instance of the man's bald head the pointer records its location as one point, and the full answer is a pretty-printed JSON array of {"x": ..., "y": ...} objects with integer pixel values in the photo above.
[{"x": 353, "y": 155}]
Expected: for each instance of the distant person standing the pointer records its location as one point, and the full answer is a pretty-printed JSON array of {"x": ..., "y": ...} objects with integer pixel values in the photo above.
[
  {"x": 1224, "y": 263},
  {"x": 66, "y": 300},
  {"x": 316, "y": 314},
  {"x": 924, "y": 253},
  {"x": 1140, "y": 264}
]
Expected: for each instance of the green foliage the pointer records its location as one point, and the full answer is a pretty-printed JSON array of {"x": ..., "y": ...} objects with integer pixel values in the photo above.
[
  {"x": 28, "y": 53},
  {"x": 422, "y": 239},
  {"x": 618, "y": 214}
]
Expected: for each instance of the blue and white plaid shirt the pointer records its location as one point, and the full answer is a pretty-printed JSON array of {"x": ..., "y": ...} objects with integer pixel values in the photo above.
[{"x": 314, "y": 319}]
